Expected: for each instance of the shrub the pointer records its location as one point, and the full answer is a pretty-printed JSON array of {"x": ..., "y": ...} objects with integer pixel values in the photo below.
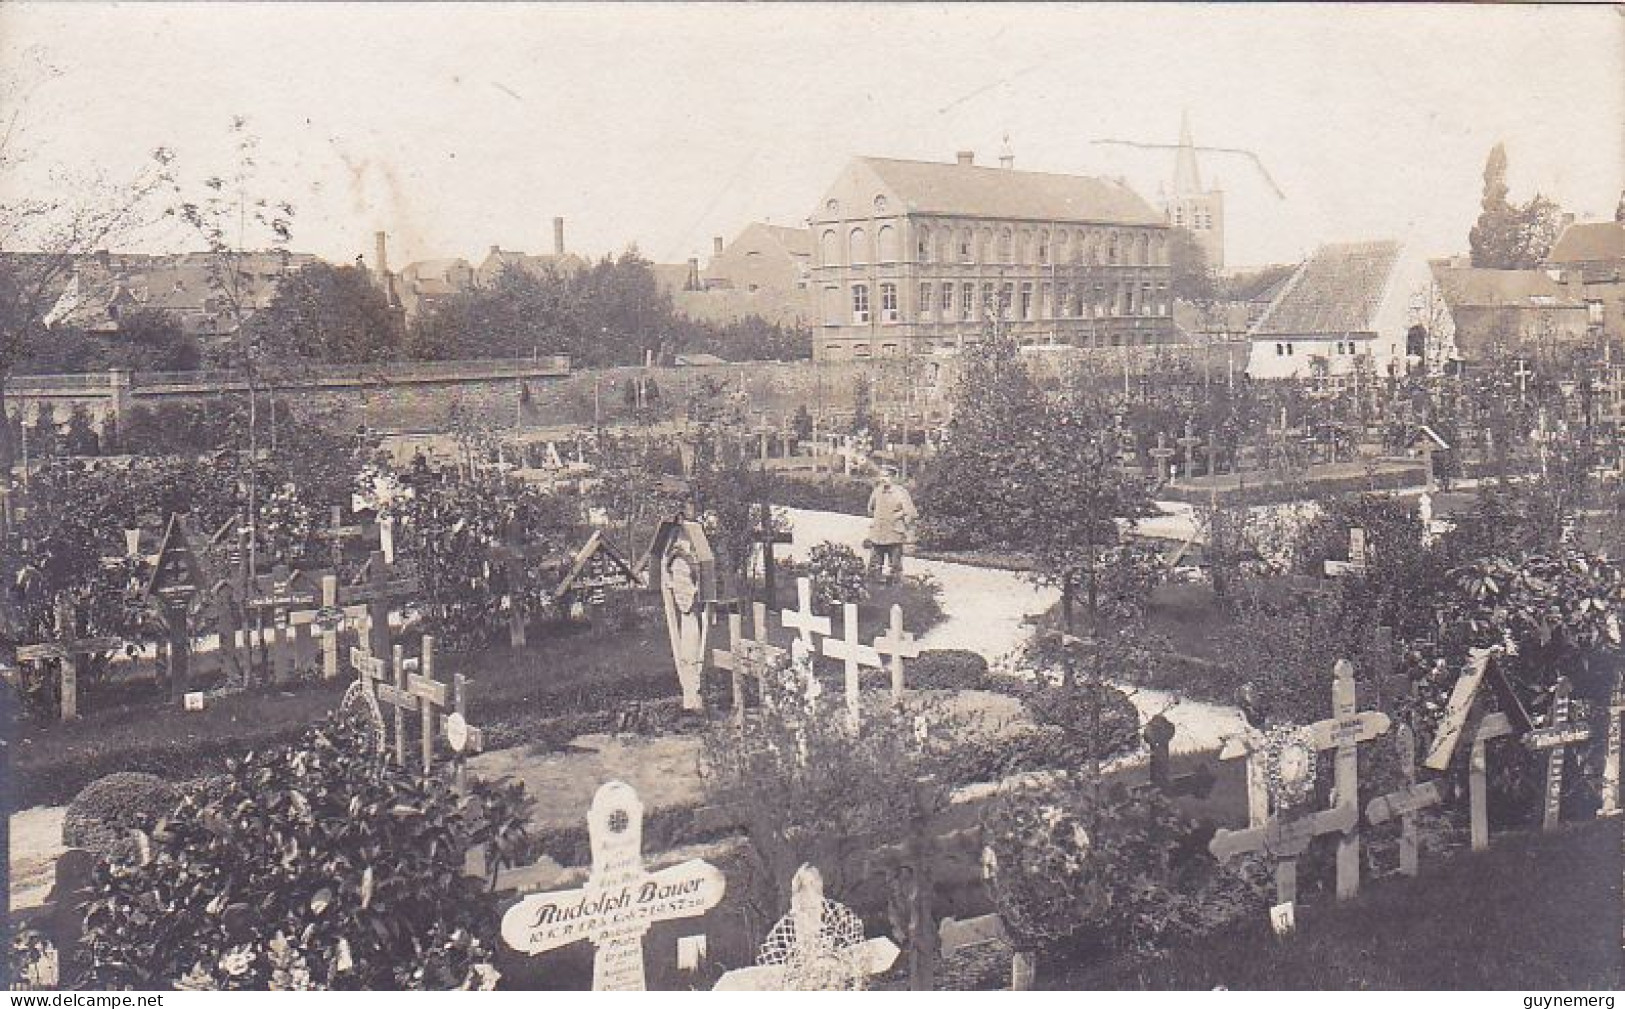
[
  {"x": 837, "y": 573},
  {"x": 315, "y": 865},
  {"x": 1087, "y": 864},
  {"x": 1074, "y": 711},
  {"x": 100, "y": 816},
  {"x": 947, "y": 669},
  {"x": 832, "y": 494}
]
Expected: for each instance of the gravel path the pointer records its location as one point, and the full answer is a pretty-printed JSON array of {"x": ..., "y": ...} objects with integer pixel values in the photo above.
[{"x": 989, "y": 611}]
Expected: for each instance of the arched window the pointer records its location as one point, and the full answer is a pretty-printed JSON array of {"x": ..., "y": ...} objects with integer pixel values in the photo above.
[
  {"x": 1043, "y": 248},
  {"x": 857, "y": 247},
  {"x": 967, "y": 246},
  {"x": 1111, "y": 247},
  {"x": 923, "y": 244},
  {"x": 1006, "y": 246},
  {"x": 889, "y": 252},
  {"x": 1144, "y": 247},
  {"x": 829, "y": 249},
  {"x": 1023, "y": 247}
]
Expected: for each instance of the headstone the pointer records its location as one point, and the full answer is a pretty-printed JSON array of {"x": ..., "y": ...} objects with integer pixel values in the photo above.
[
  {"x": 620, "y": 901},
  {"x": 1555, "y": 738},
  {"x": 687, "y": 584},
  {"x": 854, "y": 655},
  {"x": 1410, "y": 799},
  {"x": 818, "y": 946}
]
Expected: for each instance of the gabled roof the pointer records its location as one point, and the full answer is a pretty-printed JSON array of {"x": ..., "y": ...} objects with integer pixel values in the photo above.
[
  {"x": 1337, "y": 291},
  {"x": 1479, "y": 288},
  {"x": 796, "y": 241},
  {"x": 930, "y": 187},
  {"x": 1589, "y": 243}
]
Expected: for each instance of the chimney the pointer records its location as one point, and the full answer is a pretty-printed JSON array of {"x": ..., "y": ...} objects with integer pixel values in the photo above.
[
  {"x": 716, "y": 245},
  {"x": 558, "y": 236},
  {"x": 1007, "y": 161},
  {"x": 693, "y": 274},
  {"x": 495, "y": 249},
  {"x": 382, "y": 242},
  {"x": 966, "y": 157}
]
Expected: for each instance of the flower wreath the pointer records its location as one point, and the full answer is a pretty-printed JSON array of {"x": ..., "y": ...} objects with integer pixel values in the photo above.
[{"x": 1290, "y": 765}]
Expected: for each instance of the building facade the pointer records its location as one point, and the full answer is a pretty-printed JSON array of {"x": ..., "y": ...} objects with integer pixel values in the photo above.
[
  {"x": 1523, "y": 313},
  {"x": 1189, "y": 206},
  {"x": 913, "y": 257},
  {"x": 1588, "y": 262}
]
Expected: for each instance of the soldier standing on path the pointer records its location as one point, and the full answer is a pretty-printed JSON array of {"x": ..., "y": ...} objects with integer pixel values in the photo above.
[{"x": 891, "y": 525}]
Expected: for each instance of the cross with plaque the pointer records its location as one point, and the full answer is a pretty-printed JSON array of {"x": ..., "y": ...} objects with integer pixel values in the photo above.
[
  {"x": 1555, "y": 738},
  {"x": 177, "y": 579},
  {"x": 279, "y": 594},
  {"x": 621, "y": 900},
  {"x": 1405, "y": 802},
  {"x": 1160, "y": 456},
  {"x": 380, "y": 585},
  {"x": 1190, "y": 443},
  {"x": 1286, "y": 839},
  {"x": 855, "y": 655}
]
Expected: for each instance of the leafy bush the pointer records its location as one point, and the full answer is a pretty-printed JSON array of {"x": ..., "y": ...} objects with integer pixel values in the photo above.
[
  {"x": 830, "y": 494},
  {"x": 838, "y": 574},
  {"x": 947, "y": 669},
  {"x": 109, "y": 807},
  {"x": 316, "y": 865},
  {"x": 1098, "y": 719},
  {"x": 1085, "y": 864}
]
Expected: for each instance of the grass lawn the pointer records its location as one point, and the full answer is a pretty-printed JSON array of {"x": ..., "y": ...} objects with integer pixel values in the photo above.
[
  {"x": 570, "y": 680},
  {"x": 1534, "y": 911}
]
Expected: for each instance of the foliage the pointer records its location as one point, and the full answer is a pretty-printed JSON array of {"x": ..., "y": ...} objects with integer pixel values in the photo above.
[
  {"x": 146, "y": 340},
  {"x": 101, "y": 814},
  {"x": 327, "y": 314},
  {"x": 1193, "y": 277},
  {"x": 809, "y": 791},
  {"x": 319, "y": 849},
  {"x": 1097, "y": 719},
  {"x": 828, "y": 493},
  {"x": 838, "y": 574},
  {"x": 947, "y": 669},
  {"x": 1082, "y": 862},
  {"x": 1509, "y": 236}
]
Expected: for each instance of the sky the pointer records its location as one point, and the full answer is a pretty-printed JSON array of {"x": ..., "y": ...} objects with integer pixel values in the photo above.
[{"x": 455, "y": 128}]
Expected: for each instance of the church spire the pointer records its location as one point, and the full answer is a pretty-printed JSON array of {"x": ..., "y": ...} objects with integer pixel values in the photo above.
[{"x": 1187, "y": 180}]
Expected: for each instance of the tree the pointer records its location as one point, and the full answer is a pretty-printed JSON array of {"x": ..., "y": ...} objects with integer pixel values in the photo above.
[
  {"x": 1510, "y": 236},
  {"x": 327, "y": 314},
  {"x": 45, "y": 237},
  {"x": 1193, "y": 277}
]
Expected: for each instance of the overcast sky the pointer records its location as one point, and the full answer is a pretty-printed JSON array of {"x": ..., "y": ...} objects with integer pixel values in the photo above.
[{"x": 458, "y": 127}]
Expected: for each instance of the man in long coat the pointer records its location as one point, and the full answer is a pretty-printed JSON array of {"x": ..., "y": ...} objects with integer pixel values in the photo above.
[{"x": 891, "y": 525}]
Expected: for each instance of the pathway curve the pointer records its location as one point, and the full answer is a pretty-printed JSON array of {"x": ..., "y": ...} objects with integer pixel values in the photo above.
[{"x": 989, "y": 611}]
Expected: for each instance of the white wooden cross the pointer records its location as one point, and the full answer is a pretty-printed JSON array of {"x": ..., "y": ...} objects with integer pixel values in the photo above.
[
  {"x": 803, "y": 620},
  {"x": 818, "y": 946},
  {"x": 1610, "y": 764},
  {"x": 1343, "y": 732},
  {"x": 1523, "y": 373},
  {"x": 331, "y": 619},
  {"x": 431, "y": 694},
  {"x": 855, "y": 654},
  {"x": 1405, "y": 802},
  {"x": 898, "y": 644},
  {"x": 620, "y": 901},
  {"x": 1487, "y": 728},
  {"x": 746, "y": 656},
  {"x": 1558, "y": 734}
]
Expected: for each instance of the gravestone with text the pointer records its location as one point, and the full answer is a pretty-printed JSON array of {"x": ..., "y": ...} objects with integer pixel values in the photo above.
[
  {"x": 620, "y": 901},
  {"x": 1554, "y": 739}
]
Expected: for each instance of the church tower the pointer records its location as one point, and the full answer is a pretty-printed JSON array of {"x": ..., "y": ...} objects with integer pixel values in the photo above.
[{"x": 1189, "y": 206}]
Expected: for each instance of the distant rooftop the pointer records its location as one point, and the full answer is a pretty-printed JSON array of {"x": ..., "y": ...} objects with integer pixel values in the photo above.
[
  {"x": 1338, "y": 290},
  {"x": 931, "y": 187}
]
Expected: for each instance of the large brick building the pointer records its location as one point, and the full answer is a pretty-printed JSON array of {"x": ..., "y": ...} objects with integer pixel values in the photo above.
[
  {"x": 1588, "y": 261},
  {"x": 911, "y": 256}
]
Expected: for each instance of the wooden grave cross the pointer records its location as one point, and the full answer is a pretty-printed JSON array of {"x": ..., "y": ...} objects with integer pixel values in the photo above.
[
  {"x": 1464, "y": 701},
  {"x": 73, "y": 651},
  {"x": 819, "y": 945},
  {"x": 1287, "y": 839},
  {"x": 431, "y": 694},
  {"x": 279, "y": 594},
  {"x": 767, "y": 537},
  {"x": 514, "y": 556},
  {"x": 1190, "y": 443},
  {"x": 1485, "y": 729},
  {"x": 1160, "y": 456},
  {"x": 1406, "y": 801},
  {"x": 1610, "y": 764},
  {"x": 803, "y": 620},
  {"x": 460, "y": 736},
  {"x": 620, "y": 900},
  {"x": 855, "y": 655},
  {"x": 337, "y": 532},
  {"x": 330, "y": 619},
  {"x": 396, "y": 695},
  {"x": 379, "y": 586},
  {"x": 1555, "y": 738},
  {"x": 897, "y": 644},
  {"x": 176, "y": 581},
  {"x": 732, "y": 659}
]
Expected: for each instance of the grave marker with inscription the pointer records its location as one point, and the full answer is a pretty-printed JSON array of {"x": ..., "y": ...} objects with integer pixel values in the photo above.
[{"x": 620, "y": 902}]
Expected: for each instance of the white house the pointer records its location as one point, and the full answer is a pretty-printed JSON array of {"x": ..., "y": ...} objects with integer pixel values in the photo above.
[{"x": 1362, "y": 306}]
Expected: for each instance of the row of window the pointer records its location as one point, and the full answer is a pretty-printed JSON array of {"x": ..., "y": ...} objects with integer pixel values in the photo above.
[
  {"x": 925, "y": 346},
  {"x": 1029, "y": 246},
  {"x": 947, "y": 301},
  {"x": 1196, "y": 220},
  {"x": 1345, "y": 348}
]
